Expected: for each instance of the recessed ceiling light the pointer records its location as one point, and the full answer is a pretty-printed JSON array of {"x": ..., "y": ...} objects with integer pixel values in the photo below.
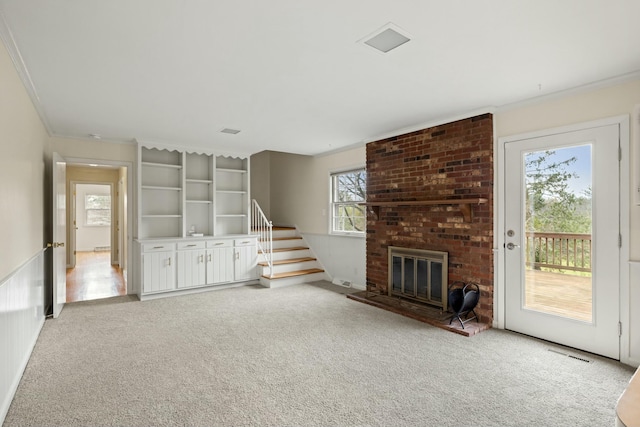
[
  {"x": 386, "y": 38},
  {"x": 95, "y": 136},
  {"x": 230, "y": 131}
]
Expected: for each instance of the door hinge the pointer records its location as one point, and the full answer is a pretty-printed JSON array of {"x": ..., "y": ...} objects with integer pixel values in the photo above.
[
  {"x": 619, "y": 329},
  {"x": 619, "y": 154},
  {"x": 619, "y": 240}
]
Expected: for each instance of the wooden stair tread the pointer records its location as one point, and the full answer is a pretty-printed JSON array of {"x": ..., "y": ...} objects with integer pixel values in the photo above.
[
  {"x": 286, "y": 238},
  {"x": 294, "y": 273},
  {"x": 287, "y": 261},
  {"x": 294, "y": 248},
  {"x": 279, "y": 228}
]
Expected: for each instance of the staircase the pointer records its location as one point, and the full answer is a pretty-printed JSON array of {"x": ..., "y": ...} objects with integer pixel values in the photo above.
[{"x": 292, "y": 262}]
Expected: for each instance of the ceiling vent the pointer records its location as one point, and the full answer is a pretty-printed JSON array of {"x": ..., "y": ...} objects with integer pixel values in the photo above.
[
  {"x": 386, "y": 39},
  {"x": 230, "y": 131}
]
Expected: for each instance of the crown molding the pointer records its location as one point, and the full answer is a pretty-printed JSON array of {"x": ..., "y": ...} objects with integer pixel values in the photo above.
[{"x": 10, "y": 44}]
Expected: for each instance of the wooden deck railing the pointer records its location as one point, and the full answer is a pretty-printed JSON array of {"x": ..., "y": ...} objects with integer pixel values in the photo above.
[{"x": 565, "y": 251}]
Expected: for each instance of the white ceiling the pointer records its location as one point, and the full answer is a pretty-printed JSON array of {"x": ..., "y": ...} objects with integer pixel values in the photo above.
[{"x": 291, "y": 74}]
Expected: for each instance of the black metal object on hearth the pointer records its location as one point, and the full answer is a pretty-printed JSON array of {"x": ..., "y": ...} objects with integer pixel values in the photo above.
[{"x": 463, "y": 298}]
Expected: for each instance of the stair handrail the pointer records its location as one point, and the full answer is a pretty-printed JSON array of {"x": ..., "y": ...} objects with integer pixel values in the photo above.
[{"x": 261, "y": 226}]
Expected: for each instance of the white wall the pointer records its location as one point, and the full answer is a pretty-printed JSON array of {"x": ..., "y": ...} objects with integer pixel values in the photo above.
[
  {"x": 24, "y": 205},
  {"x": 583, "y": 106},
  {"x": 90, "y": 237}
]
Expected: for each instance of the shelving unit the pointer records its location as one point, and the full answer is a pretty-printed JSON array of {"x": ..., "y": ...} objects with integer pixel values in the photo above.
[
  {"x": 231, "y": 195},
  {"x": 181, "y": 192},
  {"x": 199, "y": 193},
  {"x": 160, "y": 206}
]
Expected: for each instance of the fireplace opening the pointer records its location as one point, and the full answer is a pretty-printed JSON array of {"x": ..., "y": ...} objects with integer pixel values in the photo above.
[{"x": 419, "y": 274}]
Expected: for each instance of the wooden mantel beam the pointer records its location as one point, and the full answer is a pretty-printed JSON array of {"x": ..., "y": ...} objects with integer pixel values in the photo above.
[{"x": 464, "y": 204}]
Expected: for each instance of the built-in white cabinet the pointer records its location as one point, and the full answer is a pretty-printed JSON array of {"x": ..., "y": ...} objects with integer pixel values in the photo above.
[
  {"x": 191, "y": 265},
  {"x": 193, "y": 220},
  {"x": 220, "y": 257},
  {"x": 181, "y": 264},
  {"x": 245, "y": 259},
  {"x": 158, "y": 268}
]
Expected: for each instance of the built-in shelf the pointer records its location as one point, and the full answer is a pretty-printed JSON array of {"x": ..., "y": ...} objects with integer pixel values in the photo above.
[
  {"x": 231, "y": 215},
  {"x": 161, "y": 165},
  {"x": 205, "y": 202},
  {"x": 162, "y": 216},
  {"x": 198, "y": 181},
  {"x": 464, "y": 205},
  {"x": 231, "y": 191},
  {"x": 155, "y": 187},
  {"x": 231, "y": 170}
]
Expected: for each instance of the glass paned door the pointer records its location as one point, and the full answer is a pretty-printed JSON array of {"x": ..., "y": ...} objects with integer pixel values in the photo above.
[
  {"x": 557, "y": 238},
  {"x": 561, "y": 257}
]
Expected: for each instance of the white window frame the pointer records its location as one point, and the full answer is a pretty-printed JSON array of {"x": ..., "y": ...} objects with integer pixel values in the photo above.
[
  {"x": 333, "y": 203},
  {"x": 87, "y": 221}
]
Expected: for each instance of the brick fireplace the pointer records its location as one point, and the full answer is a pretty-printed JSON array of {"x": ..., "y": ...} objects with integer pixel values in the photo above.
[{"x": 442, "y": 165}]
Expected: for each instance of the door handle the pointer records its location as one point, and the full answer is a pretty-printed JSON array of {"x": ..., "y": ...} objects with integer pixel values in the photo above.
[{"x": 512, "y": 246}]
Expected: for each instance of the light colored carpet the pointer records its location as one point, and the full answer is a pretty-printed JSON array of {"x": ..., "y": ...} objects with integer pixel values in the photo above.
[{"x": 297, "y": 356}]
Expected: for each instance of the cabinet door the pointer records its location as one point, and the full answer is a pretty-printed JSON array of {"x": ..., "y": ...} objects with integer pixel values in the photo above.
[
  {"x": 220, "y": 265},
  {"x": 158, "y": 272},
  {"x": 191, "y": 268},
  {"x": 245, "y": 262}
]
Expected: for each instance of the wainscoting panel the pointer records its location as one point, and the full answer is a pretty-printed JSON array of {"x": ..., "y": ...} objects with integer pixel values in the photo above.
[
  {"x": 634, "y": 315},
  {"x": 342, "y": 257},
  {"x": 21, "y": 318}
]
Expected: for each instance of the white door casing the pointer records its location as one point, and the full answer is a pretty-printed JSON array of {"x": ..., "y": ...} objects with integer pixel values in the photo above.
[{"x": 59, "y": 219}]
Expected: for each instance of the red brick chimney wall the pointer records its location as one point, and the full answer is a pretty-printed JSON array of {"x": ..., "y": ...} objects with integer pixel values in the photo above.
[{"x": 450, "y": 161}]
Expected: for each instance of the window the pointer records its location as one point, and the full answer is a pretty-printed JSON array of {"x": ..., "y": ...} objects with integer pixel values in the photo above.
[
  {"x": 97, "y": 208},
  {"x": 348, "y": 189}
]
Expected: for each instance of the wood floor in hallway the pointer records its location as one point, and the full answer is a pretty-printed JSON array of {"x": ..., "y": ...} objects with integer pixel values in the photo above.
[{"x": 94, "y": 277}]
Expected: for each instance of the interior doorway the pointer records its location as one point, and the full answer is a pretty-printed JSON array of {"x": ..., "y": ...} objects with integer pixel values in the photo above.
[{"x": 97, "y": 231}]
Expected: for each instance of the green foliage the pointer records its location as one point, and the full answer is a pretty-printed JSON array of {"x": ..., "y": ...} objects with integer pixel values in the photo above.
[{"x": 551, "y": 206}]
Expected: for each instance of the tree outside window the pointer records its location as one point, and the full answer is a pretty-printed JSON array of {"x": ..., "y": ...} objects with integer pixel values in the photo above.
[
  {"x": 348, "y": 189},
  {"x": 97, "y": 209}
]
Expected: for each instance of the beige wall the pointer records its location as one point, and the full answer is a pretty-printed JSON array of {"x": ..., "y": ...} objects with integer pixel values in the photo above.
[
  {"x": 300, "y": 187},
  {"x": 581, "y": 107},
  {"x": 92, "y": 149},
  {"x": 23, "y": 159},
  {"x": 261, "y": 180}
]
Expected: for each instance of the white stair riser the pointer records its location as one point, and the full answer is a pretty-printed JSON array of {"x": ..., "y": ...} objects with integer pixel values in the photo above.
[
  {"x": 284, "y": 233},
  {"x": 278, "y": 256},
  {"x": 279, "y": 283},
  {"x": 277, "y": 244},
  {"x": 285, "y": 268}
]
